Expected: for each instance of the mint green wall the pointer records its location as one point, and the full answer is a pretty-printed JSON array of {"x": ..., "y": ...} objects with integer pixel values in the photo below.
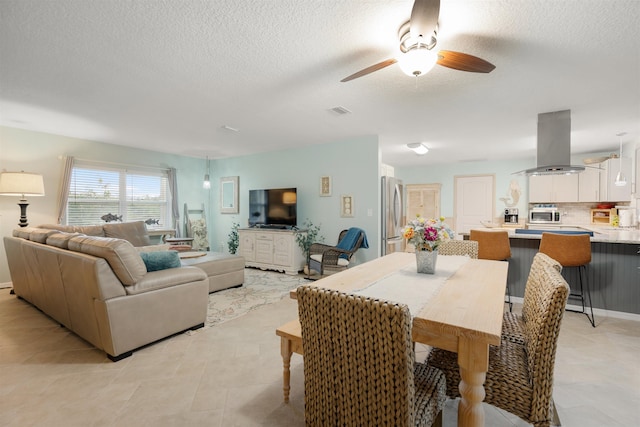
[
  {"x": 44, "y": 154},
  {"x": 503, "y": 170},
  {"x": 351, "y": 164},
  {"x": 444, "y": 174}
]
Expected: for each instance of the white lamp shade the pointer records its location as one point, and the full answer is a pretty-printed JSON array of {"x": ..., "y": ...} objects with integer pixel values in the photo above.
[
  {"x": 620, "y": 181},
  {"x": 206, "y": 184},
  {"x": 21, "y": 184},
  {"x": 417, "y": 61}
]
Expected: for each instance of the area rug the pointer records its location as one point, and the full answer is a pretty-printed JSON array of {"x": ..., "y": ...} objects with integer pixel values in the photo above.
[{"x": 259, "y": 288}]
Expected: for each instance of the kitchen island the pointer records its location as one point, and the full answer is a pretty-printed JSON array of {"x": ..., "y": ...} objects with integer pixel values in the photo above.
[{"x": 613, "y": 274}]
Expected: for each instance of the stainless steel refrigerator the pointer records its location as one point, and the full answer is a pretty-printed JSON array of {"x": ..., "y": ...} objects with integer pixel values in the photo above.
[{"x": 392, "y": 215}]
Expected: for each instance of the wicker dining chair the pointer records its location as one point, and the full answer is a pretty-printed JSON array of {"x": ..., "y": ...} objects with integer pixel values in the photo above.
[
  {"x": 520, "y": 377},
  {"x": 359, "y": 363},
  {"x": 512, "y": 323},
  {"x": 459, "y": 247}
]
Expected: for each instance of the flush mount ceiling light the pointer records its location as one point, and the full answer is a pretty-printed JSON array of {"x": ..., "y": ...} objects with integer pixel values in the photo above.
[
  {"x": 419, "y": 148},
  {"x": 621, "y": 180}
]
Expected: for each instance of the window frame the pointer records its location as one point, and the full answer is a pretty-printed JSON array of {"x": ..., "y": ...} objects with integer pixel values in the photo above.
[{"x": 126, "y": 199}]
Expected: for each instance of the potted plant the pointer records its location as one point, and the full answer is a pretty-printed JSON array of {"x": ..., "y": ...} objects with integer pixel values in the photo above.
[
  {"x": 307, "y": 236},
  {"x": 233, "y": 240}
]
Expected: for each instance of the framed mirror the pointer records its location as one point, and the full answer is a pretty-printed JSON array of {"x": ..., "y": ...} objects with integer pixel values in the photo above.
[{"x": 229, "y": 194}]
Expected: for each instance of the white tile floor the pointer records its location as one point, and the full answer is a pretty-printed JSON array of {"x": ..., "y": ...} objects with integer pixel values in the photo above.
[{"x": 230, "y": 375}]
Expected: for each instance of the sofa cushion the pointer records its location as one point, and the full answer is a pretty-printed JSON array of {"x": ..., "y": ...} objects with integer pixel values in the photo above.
[
  {"x": 60, "y": 239},
  {"x": 160, "y": 260},
  {"x": 123, "y": 258},
  {"x": 23, "y": 232},
  {"x": 89, "y": 230},
  {"x": 154, "y": 248},
  {"x": 135, "y": 232},
  {"x": 40, "y": 235}
]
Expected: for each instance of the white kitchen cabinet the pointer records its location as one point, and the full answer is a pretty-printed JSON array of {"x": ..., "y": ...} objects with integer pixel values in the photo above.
[
  {"x": 609, "y": 192},
  {"x": 553, "y": 188},
  {"x": 589, "y": 185},
  {"x": 271, "y": 250}
]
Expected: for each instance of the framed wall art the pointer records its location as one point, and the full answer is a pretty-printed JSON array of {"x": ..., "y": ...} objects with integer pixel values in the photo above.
[
  {"x": 229, "y": 194},
  {"x": 346, "y": 206},
  {"x": 325, "y": 186}
]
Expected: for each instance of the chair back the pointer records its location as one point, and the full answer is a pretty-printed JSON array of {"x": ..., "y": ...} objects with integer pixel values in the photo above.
[
  {"x": 358, "y": 359},
  {"x": 528, "y": 302},
  {"x": 459, "y": 247},
  {"x": 550, "y": 291},
  {"x": 492, "y": 245},
  {"x": 355, "y": 247},
  {"x": 570, "y": 250}
]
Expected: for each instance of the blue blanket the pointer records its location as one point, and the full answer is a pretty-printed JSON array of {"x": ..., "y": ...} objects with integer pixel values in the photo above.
[{"x": 351, "y": 238}]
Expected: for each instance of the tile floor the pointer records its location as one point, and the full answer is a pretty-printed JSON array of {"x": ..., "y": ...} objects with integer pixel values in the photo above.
[{"x": 230, "y": 375}]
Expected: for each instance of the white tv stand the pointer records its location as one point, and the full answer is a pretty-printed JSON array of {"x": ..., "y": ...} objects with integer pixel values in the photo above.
[{"x": 271, "y": 249}]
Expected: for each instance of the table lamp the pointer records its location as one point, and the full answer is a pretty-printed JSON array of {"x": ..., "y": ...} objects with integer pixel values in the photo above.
[{"x": 21, "y": 184}]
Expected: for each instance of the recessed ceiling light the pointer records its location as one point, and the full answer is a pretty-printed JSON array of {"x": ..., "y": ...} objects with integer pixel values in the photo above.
[{"x": 419, "y": 148}]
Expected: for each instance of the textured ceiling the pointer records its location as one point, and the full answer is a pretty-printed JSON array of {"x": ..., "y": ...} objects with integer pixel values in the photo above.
[{"x": 168, "y": 75}]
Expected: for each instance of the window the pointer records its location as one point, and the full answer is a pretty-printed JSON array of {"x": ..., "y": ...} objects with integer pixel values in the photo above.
[{"x": 100, "y": 193}]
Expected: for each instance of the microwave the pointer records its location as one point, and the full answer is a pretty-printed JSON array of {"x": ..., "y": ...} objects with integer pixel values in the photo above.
[{"x": 544, "y": 216}]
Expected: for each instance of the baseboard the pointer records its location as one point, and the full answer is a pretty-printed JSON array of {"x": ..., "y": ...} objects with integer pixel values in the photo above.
[
  {"x": 6, "y": 285},
  {"x": 596, "y": 311}
]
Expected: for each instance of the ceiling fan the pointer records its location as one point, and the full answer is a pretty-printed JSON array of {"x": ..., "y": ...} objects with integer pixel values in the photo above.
[{"x": 418, "y": 39}]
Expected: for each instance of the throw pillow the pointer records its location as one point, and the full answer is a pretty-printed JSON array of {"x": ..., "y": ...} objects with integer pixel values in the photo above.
[{"x": 160, "y": 260}]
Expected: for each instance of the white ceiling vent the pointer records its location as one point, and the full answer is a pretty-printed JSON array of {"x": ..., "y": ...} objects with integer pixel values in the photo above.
[{"x": 340, "y": 110}]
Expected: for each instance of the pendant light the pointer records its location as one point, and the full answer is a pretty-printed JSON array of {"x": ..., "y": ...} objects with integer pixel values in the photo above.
[
  {"x": 206, "y": 184},
  {"x": 621, "y": 180}
]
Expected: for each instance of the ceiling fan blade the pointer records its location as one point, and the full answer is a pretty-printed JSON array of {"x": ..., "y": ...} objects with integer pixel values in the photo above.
[
  {"x": 424, "y": 17},
  {"x": 370, "y": 69},
  {"x": 464, "y": 62}
]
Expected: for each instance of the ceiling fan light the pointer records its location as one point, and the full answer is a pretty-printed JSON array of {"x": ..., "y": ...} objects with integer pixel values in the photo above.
[
  {"x": 417, "y": 62},
  {"x": 419, "y": 148}
]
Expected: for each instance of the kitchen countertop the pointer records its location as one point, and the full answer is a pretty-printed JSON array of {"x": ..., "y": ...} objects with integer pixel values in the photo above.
[{"x": 601, "y": 234}]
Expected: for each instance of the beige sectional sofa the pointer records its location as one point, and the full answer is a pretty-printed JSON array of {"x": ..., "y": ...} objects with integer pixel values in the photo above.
[
  {"x": 223, "y": 270},
  {"x": 98, "y": 286}
]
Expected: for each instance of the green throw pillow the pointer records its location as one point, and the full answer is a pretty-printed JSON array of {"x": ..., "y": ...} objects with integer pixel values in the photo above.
[{"x": 160, "y": 260}]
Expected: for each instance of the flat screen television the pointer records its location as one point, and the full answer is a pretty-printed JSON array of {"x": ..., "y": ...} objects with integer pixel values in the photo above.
[{"x": 275, "y": 208}]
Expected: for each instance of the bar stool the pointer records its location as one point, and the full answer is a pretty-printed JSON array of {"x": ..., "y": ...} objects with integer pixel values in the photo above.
[
  {"x": 571, "y": 250},
  {"x": 493, "y": 245}
]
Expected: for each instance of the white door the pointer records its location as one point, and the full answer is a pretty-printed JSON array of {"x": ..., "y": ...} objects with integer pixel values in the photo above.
[{"x": 474, "y": 201}]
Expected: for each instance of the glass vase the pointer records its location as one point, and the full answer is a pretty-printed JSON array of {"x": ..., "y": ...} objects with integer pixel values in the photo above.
[{"x": 426, "y": 261}]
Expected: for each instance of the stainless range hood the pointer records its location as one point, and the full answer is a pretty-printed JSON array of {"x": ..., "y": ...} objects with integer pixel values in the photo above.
[{"x": 554, "y": 145}]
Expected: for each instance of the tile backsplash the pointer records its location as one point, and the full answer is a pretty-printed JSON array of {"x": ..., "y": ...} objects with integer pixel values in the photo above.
[{"x": 577, "y": 213}]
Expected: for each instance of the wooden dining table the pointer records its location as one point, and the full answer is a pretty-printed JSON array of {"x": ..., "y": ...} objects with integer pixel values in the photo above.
[{"x": 462, "y": 314}]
